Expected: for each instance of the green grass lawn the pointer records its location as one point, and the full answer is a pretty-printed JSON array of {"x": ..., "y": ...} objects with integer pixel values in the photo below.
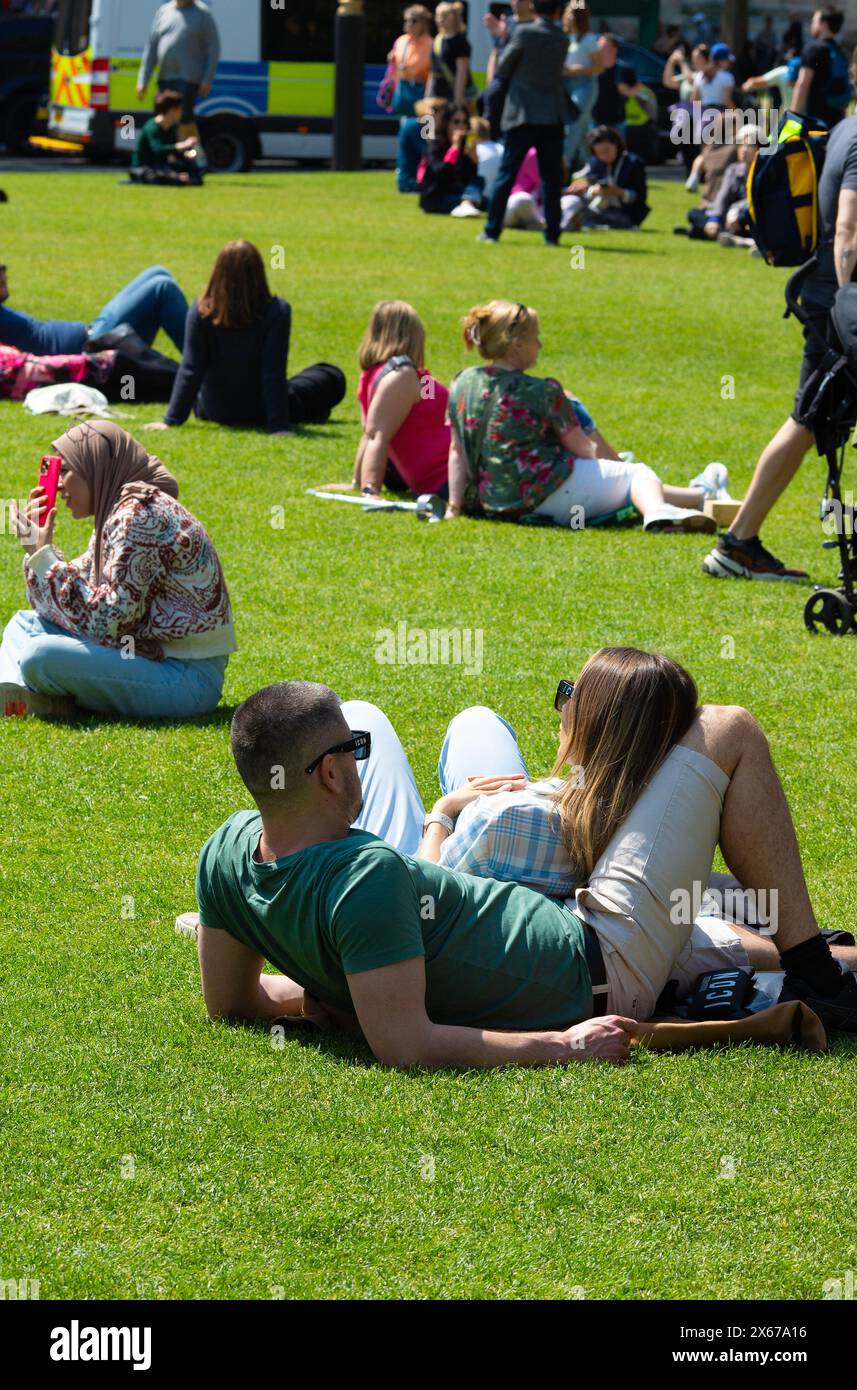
[{"x": 146, "y": 1153}]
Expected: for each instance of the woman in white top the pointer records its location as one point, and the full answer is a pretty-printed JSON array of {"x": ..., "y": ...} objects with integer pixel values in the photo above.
[{"x": 714, "y": 84}]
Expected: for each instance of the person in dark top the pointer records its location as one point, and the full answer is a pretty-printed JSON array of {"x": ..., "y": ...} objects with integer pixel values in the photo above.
[
  {"x": 739, "y": 552},
  {"x": 450, "y": 68},
  {"x": 153, "y": 300},
  {"x": 611, "y": 190},
  {"x": 234, "y": 365},
  {"x": 159, "y": 157},
  {"x": 535, "y": 113},
  {"x": 616, "y": 82},
  {"x": 450, "y": 171},
  {"x": 823, "y": 90}
]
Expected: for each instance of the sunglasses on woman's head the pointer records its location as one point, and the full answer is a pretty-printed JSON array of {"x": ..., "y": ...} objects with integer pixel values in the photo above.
[
  {"x": 564, "y": 692},
  {"x": 359, "y": 744}
]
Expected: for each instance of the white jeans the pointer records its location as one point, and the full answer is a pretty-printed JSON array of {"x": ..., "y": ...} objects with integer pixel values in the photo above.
[{"x": 597, "y": 487}]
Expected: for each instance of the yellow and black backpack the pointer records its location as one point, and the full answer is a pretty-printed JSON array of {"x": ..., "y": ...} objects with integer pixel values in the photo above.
[{"x": 782, "y": 195}]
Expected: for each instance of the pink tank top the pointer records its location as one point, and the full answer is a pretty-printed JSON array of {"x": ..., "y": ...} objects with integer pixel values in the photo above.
[{"x": 420, "y": 447}]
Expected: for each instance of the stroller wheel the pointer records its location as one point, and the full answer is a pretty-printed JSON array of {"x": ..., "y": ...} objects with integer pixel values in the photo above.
[{"x": 829, "y": 611}]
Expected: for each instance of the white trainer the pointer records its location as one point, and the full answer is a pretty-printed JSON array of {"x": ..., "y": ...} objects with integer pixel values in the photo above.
[
  {"x": 666, "y": 517},
  {"x": 714, "y": 481}
]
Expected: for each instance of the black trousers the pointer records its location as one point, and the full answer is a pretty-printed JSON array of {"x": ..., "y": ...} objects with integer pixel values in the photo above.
[
  {"x": 315, "y": 392},
  {"x": 547, "y": 140}
]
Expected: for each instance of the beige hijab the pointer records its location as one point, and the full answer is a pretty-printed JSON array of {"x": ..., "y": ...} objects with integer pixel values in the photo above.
[{"x": 110, "y": 460}]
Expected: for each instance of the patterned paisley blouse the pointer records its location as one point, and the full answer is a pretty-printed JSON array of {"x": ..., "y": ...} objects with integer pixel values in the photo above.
[
  {"x": 161, "y": 583},
  {"x": 521, "y": 460}
]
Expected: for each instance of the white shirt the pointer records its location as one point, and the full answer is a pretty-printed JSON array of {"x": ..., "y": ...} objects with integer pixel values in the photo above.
[{"x": 714, "y": 91}]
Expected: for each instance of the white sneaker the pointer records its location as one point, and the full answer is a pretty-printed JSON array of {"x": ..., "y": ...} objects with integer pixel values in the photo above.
[
  {"x": 466, "y": 209},
  {"x": 670, "y": 518},
  {"x": 691, "y": 183},
  {"x": 714, "y": 481}
]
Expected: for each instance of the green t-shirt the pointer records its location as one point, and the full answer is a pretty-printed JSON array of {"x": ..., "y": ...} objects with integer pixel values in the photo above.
[
  {"x": 496, "y": 955},
  {"x": 154, "y": 145},
  {"x": 521, "y": 459}
]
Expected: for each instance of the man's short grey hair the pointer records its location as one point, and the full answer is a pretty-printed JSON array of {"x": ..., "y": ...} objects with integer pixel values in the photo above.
[{"x": 279, "y": 731}]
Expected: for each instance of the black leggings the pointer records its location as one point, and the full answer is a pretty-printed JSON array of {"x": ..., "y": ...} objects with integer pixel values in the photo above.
[{"x": 314, "y": 393}]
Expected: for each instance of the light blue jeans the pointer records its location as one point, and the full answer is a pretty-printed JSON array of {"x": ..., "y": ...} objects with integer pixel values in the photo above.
[
  {"x": 151, "y": 301},
  {"x": 48, "y": 659},
  {"x": 478, "y": 743},
  {"x": 575, "y": 133}
]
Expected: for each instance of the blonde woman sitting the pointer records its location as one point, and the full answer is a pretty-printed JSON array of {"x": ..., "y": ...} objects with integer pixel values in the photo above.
[
  {"x": 518, "y": 450},
  {"x": 403, "y": 406}
]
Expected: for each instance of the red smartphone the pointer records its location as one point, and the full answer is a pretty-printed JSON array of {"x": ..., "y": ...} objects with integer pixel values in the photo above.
[{"x": 49, "y": 478}]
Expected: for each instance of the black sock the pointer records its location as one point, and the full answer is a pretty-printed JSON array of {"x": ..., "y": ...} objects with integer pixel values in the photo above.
[{"x": 812, "y": 961}]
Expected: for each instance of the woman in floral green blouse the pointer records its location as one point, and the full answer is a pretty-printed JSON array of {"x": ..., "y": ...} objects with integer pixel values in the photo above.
[{"x": 518, "y": 448}]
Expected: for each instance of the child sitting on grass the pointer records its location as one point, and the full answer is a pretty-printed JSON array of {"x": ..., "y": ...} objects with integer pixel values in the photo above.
[{"x": 159, "y": 156}]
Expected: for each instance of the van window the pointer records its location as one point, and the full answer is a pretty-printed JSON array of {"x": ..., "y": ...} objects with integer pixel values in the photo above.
[
  {"x": 297, "y": 33},
  {"x": 71, "y": 34}
]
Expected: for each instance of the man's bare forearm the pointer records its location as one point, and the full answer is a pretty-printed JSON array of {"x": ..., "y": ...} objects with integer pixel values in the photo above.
[
  {"x": 845, "y": 253},
  {"x": 449, "y": 1046},
  {"x": 278, "y": 997}
]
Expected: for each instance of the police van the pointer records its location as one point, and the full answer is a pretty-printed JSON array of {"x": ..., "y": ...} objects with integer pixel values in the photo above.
[{"x": 274, "y": 90}]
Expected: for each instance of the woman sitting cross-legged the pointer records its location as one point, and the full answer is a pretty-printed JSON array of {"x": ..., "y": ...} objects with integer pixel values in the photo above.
[
  {"x": 141, "y": 624},
  {"x": 234, "y": 366},
  {"x": 403, "y": 406},
  {"x": 611, "y": 189},
  {"x": 518, "y": 449}
]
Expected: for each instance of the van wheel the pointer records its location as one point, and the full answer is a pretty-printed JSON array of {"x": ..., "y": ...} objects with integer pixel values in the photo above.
[{"x": 229, "y": 149}]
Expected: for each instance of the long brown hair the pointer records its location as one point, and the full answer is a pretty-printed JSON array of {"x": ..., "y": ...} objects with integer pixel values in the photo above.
[
  {"x": 238, "y": 291},
  {"x": 628, "y": 710},
  {"x": 576, "y": 19}
]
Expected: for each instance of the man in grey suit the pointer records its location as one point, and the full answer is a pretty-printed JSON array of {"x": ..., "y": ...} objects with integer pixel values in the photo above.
[{"x": 534, "y": 114}]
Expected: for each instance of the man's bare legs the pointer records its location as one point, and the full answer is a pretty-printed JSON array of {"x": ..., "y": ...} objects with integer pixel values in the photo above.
[
  {"x": 757, "y": 836},
  {"x": 778, "y": 463}
]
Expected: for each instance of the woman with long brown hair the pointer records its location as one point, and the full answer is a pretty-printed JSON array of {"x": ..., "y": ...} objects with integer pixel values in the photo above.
[
  {"x": 234, "y": 368},
  {"x": 645, "y": 786}
]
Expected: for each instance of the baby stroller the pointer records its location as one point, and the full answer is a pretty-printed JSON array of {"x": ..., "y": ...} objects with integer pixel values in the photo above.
[{"x": 829, "y": 408}]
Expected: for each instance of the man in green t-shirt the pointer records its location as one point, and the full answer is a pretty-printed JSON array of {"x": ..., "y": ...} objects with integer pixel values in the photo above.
[{"x": 437, "y": 968}]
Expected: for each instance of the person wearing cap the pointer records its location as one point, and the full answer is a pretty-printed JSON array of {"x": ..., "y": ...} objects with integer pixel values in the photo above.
[{"x": 152, "y": 301}]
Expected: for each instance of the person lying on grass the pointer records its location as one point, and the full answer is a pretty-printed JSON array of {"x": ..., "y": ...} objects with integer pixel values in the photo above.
[
  {"x": 150, "y": 302},
  {"x": 141, "y": 623},
  {"x": 617, "y": 723},
  {"x": 439, "y": 968},
  {"x": 518, "y": 449}
]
